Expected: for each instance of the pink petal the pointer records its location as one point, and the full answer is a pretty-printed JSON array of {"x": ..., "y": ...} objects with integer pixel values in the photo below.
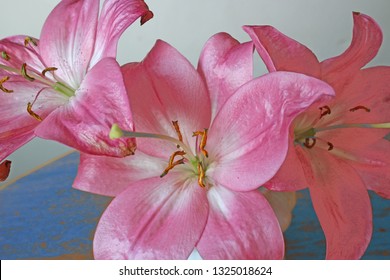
[
  {"x": 225, "y": 65},
  {"x": 115, "y": 18},
  {"x": 110, "y": 176},
  {"x": 249, "y": 137},
  {"x": 375, "y": 170},
  {"x": 241, "y": 225},
  {"x": 86, "y": 121},
  {"x": 159, "y": 218},
  {"x": 369, "y": 88},
  {"x": 5, "y": 168},
  {"x": 165, "y": 87},
  {"x": 342, "y": 205},
  {"x": 67, "y": 39},
  {"x": 291, "y": 175},
  {"x": 366, "y": 41},
  {"x": 281, "y": 53},
  {"x": 16, "y": 124}
]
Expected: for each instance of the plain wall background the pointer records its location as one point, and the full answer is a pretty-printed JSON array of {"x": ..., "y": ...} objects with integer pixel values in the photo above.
[{"x": 323, "y": 26}]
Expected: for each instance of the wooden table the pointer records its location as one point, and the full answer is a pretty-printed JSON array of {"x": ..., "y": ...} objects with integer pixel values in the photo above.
[{"x": 43, "y": 217}]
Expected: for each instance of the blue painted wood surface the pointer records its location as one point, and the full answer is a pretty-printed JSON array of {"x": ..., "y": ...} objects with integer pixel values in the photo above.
[{"x": 42, "y": 217}]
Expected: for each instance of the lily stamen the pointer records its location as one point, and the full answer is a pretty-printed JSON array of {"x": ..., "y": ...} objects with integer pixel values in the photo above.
[
  {"x": 48, "y": 69},
  {"x": 32, "y": 113},
  {"x": 360, "y": 107},
  {"x": 203, "y": 141},
  {"x": 5, "y": 55},
  {"x": 24, "y": 73},
  {"x": 201, "y": 175},
  {"x": 171, "y": 166},
  {"x": 29, "y": 41},
  {"x": 177, "y": 129},
  {"x": 330, "y": 146},
  {"x": 307, "y": 143},
  {"x": 3, "y": 80},
  {"x": 325, "y": 110}
]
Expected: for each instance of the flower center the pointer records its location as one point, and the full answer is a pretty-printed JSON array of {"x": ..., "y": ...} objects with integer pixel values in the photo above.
[
  {"x": 198, "y": 162},
  {"x": 32, "y": 75},
  {"x": 307, "y": 136}
]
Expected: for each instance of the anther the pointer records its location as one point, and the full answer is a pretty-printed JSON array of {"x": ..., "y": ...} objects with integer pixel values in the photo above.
[
  {"x": 3, "y": 80},
  {"x": 309, "y": 144},
  {"x": 48, "y": 69},
  {"x": 178, "y": 132},
  {"x": 175, "y": 154},
  {"x": 5, "y": 55},
  {"x": 29, "y": 40},
  {"x": 360, "y": 107},
  {"x": 203, "y": 141},
  {"x": 171, "y": 166},
  {"x": 24, "y": 73},
  {"x": 201, "y": 175},
  {"x": 325, "y": 110},
  {"x": 32, "y": 113},
  {"x": 330, "y": 146}
]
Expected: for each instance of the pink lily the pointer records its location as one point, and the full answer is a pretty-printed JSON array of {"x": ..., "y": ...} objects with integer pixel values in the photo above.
[
  {"x": 201, "y": 156},
  {"x": 337, "y": 148},
  {"x": 67, "y": 86}
]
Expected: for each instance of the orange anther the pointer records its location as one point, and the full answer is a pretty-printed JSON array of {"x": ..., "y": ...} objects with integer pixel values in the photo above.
[{"x": 360, "y": 107}]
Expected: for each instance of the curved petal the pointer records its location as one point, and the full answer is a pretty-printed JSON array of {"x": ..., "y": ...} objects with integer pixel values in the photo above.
[
  {"x": 85, "y": 122},
  {"x": 110, "y": 176},
  {"x": 366, "y": 41},
  {"x": 283, "y": 204},
  {"x": 165, "y": 87},
  {"x": 290, "y": 176},
  {"x": 249, "y": 137},
  {"x": 5, "y": 168},
  {"x": 375, "y": 171},
  {"x": 16, "y": 124},
  {"x": 343, "y": 207},
  {"x": 241, "y": 225},
  {"x": 159, "y": 218},
  {"x": 116, "y": 16},
  {"x": 225, "y": 65},
  {"x": 67, "y": 39},
  {"x": 281, "y": 53}
]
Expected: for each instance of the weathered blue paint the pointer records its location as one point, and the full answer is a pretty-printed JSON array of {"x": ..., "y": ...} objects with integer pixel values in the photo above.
[{"x": 42, "y": 217}]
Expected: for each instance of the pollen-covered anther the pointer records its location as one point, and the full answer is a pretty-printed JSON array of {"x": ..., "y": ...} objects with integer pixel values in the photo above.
[
  {"x": 201, "y": 175},
  {"x": 310, "y": 142},
  {"x": 171, "y": 166},
  {"x": 30, "y": 40},
  {"x": 24, "y": 73},
  {"x": 360, "y": 107},
  {"x": 48, "y": 69},
  {"x": 203, "y": 141},
  {"x": 178, "y": 132},
  {"x": 330, "y": 146},
  {"x": 3, "y": 80},
  {"x": 5, "y": 55},
  {"x": 32, "y": 113},
  {"x": 325, "y": 110}
]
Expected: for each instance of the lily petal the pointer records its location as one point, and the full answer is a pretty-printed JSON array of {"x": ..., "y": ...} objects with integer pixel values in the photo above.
[
  {"x": 366, "y": 40},
  {"x": 291, "y": 176},
  {"x": 165, "y": 87},
  {"x": 115, "y": 18},
  {"x": 241, "y": 225},
  {"x": 110, "y": 176},
  {"x": 225, "y": 65},
  {"x": 85, "y": 122},
  {"x": 343, "y": 207},
  {"x": 67, "y": 39},
  {"x": 249, "y": 137},
  {"x": 152, "y": 219},
  {"x": 281, "y": 53}
]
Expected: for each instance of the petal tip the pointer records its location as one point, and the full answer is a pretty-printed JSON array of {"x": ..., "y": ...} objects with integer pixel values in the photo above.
[{"x": 146, "y": 17}]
